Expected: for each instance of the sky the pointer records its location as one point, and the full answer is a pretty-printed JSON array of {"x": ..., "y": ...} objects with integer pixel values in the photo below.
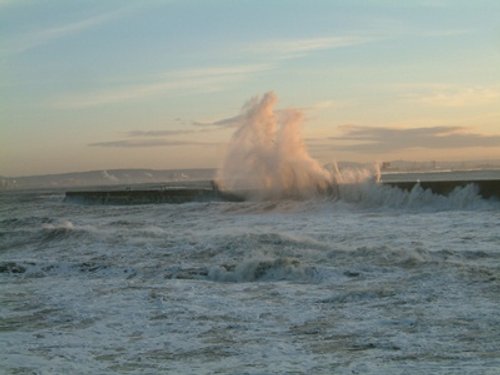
[{"x": 89, "y": 85}]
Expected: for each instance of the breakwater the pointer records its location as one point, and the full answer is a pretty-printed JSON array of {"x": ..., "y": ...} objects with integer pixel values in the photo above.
[
  {"x": 486, "y": 188},
  {"x": 178, "y": 195}
]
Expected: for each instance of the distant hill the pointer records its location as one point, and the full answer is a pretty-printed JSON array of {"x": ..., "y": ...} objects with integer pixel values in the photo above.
[
  {"x": 112, "y": 177},
  {"x": 105, "y": 178}
]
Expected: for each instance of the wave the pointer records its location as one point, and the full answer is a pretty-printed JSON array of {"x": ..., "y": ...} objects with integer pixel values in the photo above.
[
  {"x": 358, "y": 264},
  {"x": 372, "y": 195},
  {"x": 66, "y": 230},
  {"x": 278, "y": 269},
  {"x": 37, "y": 269},
  {"x": 29, "y": 221},
  {"x": 59, "y": 231},
  {"x": 64, "y": 225},
  {"x": 265, "y": 269},
  {"x": 251, "y": 270}
]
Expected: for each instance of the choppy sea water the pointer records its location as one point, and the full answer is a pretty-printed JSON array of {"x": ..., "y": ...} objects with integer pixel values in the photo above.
[{"x": 377, "y": 282}]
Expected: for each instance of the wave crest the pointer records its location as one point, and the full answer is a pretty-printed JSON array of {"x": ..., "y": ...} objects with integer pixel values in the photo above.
[{"x": 278, "y": 269}]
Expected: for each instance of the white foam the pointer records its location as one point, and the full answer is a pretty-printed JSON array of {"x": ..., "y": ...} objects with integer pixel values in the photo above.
[
  {"x": 370, "y": 194},
  {"x": 61, "y": 225}
]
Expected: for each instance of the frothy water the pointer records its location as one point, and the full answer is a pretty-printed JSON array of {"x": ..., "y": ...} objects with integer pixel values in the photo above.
[{"x": 378, "y": 281}]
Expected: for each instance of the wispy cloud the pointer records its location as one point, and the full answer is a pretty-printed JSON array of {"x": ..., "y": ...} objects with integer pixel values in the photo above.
[
  {"x": 146, "y": 143},
  {"x": 215, "y": 71},
  {"x": 194, "y": 80},
  {"x": 325, "y": 105},
  {"x": 158, "y": 133},
  {"x": 289, "y": 48},
  {"x": 298, "y": 47},
  {"x": 156, "y": 138},
  {"x": 383, "y": 139},
  {"x": 460, "y": 97},
  {"x": 21, "y": 43},
  {"x": 437, "y": 94},
  {"x": 235, "y": 121},
  {"x": 228, "y": 122},
  {"x": 445, "y": 33}
]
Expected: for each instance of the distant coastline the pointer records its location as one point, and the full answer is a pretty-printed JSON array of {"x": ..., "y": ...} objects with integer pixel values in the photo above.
[
  {"x": 391, "y": 171},
  {"x": 108, "y": 177}
]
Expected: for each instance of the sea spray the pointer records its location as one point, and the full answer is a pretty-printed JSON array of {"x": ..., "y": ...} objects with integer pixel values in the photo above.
[{"x": 267, "y": 156}]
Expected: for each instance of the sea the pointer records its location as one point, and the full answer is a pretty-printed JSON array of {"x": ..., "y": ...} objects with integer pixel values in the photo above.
[{"x": 374, "y": 281}]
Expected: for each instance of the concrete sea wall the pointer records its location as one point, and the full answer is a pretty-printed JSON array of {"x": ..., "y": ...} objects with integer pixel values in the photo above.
[{"x": 486, "y": 188}]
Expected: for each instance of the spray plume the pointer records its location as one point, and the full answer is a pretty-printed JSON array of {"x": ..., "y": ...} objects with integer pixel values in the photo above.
[{"x": 267, "y": 155}]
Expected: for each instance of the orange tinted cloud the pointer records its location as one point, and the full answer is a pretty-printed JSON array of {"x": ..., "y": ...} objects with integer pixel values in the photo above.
[{"x": 383, "y": 139}]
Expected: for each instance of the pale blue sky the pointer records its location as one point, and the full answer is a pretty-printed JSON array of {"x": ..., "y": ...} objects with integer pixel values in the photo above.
[{"x": 123, "y": 84}]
